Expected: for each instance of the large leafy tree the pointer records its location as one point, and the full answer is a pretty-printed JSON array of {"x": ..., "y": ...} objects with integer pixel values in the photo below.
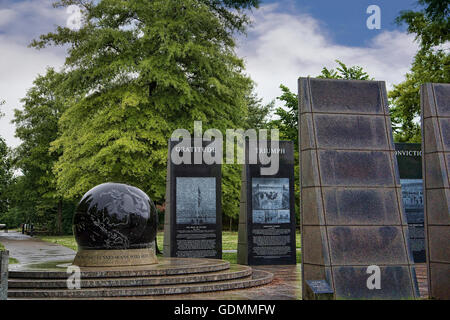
[
  {"x": 37, "y": 127},
  {"x": 431, "y": 64},
  {"x": 137, "y": 71}
]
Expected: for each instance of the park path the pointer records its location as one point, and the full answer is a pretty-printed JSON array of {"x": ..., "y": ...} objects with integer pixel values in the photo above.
[{"x": 28, "y": 249}]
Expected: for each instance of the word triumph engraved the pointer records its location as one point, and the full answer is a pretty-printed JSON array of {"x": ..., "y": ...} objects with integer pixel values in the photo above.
[
  {"x": 193, "y": 217},
  {"x": 351, "y": 206},
  {"x": 267, "y": 215}
]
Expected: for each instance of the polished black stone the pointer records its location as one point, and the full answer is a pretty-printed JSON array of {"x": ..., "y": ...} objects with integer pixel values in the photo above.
[{"x": 115, "y": 216}]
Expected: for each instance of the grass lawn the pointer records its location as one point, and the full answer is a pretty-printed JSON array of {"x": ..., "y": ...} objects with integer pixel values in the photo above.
[
  {"x": 11, "y": 260},
  {"x": 229, "y": 242}
]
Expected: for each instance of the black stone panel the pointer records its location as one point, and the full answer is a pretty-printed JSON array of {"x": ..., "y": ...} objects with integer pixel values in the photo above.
[
  {"x": 351, "y": 283},
  {"x": 351, "y": 132},
  {"x": 346, "y": 96},
  {"x": 357, "y": 206},
  {"x": 357, "y": 245},
  {"x": 194, "y": 215},
  {"x": 268, "y": 208},
  {"x": 442, "y": 96},
  {"x": 353, "y": 168}
]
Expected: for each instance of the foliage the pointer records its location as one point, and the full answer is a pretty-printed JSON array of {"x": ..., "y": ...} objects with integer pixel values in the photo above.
[
  {"x": 344, "y": 72},
  {"x": 431, "y": 64},
  {"x": 5, "y": 177},
  {"x": 136, "y": 71},
  {"x": 34, "y": 192}
]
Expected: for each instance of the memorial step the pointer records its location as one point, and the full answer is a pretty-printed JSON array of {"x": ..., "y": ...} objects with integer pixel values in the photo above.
[
  {"x": 234, "y": 272},
  {"x": 257, "y": 278},
  {"x": 165, "y": 267}
]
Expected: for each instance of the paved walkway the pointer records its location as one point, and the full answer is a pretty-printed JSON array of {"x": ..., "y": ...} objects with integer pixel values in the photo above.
[
  {"x": 286, "y": 284},
  {"x": 28, "y": 249}
]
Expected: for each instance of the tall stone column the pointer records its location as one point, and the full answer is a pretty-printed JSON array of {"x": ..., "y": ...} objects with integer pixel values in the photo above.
[
  {"x": 4, "y": 257},
  {"x": 354, "y": 229},
  {"x": 435, "y": 101}
]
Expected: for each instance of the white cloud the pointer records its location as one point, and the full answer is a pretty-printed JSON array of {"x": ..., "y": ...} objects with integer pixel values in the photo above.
[
  {"x": 281, "y": 47},
  {"x": 20, "y": 23}
]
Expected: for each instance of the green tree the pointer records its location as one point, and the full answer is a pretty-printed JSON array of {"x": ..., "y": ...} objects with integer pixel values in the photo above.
[
  {"x": 37, "y": 127},
  {"x": 5, "y": 176},
  {"x": 138, "y": 70},
  {"x": 6, "y": 173},
  {"x": 431, "y": 64}
]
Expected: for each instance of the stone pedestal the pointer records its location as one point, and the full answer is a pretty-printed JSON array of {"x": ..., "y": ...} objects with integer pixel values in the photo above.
[
  {"x": 354, "y": 228},
  {"x": 113, "y": 258},
  {"x": 435, "y": 101},
  {"x": 4, "y": 258}
]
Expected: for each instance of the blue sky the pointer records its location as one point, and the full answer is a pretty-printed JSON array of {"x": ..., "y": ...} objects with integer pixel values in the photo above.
[
  {"x": 345, "y": 20},
  {"x": 288, "y": 39}
]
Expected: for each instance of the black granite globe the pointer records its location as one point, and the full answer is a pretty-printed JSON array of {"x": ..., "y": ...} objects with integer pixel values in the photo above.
[{"x": 115, "y": 216}]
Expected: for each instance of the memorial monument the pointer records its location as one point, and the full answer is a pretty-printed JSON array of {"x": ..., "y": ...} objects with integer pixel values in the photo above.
[
  {"x": 409, "y": 159},
  {"x": 193, "y": 216},
  {"x": 115, "y": 225},
  {"x": 354, "y": 229},
  {"x": 4, "y": 256},
  {"x": 267, "y": 213},
  {"x": 435, "y": 102}
]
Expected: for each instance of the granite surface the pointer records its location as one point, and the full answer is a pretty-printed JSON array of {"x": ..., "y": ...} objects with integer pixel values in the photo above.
[
  {"x": 435, "y": 103},
  {"x": 4, "y": 257},
  {"x": 351, "y": 201}
]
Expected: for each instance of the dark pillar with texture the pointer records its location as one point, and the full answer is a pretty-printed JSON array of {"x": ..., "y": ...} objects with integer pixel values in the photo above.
[
  {"x": 435, "y": 101},
  {"x": 4, "y": 257},
  {"x": 193, "y": 215},
  {"x": 353, "y": 222},
  {"x": 267, "y": 210}
]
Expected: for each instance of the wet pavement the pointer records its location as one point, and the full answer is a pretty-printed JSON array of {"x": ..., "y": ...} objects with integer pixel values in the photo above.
[
  {"x": 286, "y": 284},
  {"x": 28, "y": 249}
]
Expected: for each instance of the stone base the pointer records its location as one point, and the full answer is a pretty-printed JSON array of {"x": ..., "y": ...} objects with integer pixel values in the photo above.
[
  {"x": 115, "y": 258},
  {"x": 170, "y": 276}
]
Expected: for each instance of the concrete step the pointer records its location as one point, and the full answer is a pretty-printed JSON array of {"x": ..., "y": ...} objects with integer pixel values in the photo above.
[
  {"x": 165, "y": 267},
  {"x": 257, "y": 278},
  {"x": 234, "y": 272}
]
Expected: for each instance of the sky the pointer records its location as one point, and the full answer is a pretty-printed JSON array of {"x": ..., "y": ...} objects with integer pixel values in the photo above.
[{"x": 287, "y": 39}]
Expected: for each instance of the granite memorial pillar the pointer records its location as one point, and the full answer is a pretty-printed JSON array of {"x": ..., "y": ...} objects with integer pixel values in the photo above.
[
  {"x": 4, "y": 257},
  {"x": 409, "y": 159},
  {"x": 435, "y": 101},
  {"x": 193, "y": 216},
  {"x": 267, "y": 209},
  {"x": 354, "y": 229}
]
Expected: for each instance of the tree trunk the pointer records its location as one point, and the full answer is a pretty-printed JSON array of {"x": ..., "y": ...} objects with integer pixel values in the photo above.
[
  {"x": 231, "y": 223},
  {"x": 59, "y": 218}
]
